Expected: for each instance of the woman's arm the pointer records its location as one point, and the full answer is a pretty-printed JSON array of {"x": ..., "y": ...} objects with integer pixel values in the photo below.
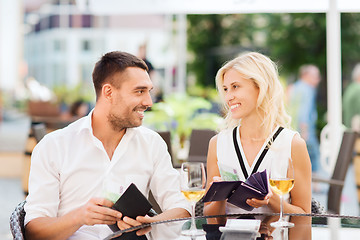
[
  {"x": 301, "y": 193},
  {"x": 213, "y": 208}
]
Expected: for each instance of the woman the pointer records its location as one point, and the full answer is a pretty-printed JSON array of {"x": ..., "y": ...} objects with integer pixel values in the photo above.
[{"x": 253, "y": 98}]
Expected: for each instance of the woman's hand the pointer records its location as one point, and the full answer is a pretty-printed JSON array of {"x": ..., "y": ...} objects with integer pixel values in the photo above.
[
  {"x": 216, "y": 179},
  {"x": 256, "y": 203}
]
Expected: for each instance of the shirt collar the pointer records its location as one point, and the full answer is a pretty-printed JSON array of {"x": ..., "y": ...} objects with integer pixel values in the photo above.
[{"x": 86, "y": 123}]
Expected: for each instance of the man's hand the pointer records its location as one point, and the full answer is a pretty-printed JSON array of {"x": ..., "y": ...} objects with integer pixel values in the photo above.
[
  {"x": 127, "y": 222},
  {"x": 98, "y": 211}
]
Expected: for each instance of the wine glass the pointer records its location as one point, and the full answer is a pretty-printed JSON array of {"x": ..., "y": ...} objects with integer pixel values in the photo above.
[
  {"x": 281, "y": 182},
  {"x": 193, "y": 181}
]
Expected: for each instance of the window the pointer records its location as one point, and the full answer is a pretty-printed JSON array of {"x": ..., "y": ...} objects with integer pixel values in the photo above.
[
  {"x": 59, "y": 45},
  {"x": 86, "y": 45}
]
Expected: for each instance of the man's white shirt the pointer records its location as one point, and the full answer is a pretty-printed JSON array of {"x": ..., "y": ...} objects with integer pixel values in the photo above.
[{"x": 70, "y": 166}]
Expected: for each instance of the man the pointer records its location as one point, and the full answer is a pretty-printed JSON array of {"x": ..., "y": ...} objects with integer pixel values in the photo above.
[
  {"x": 351, "y": 101},
  {"x": 70, "y": 166},
  {"x": 302, "y": 108}
]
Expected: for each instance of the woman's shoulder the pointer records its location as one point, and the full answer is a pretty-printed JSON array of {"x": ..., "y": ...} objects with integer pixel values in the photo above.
[
  {"x": 298, "y": 142},
  {"x": 286, "y": 135},
  {"x": 289, "y": 131},
  {"x": 213, "y": 139},
  {"x": 225, "y": 132},
  {"x": 299, "y": 150}
]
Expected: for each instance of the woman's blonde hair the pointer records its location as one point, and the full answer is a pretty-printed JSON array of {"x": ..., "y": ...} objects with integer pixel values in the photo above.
[{"x": 263, "y": 72}]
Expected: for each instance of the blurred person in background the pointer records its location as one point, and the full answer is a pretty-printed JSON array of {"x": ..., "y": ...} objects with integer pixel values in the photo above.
[
  {"x": 78, "y": 109},
  {"x": 156, "y": 93},
  {"x": 143, "y": 55},
  {"x": 302, "y": 108},
  {"x": 351, "y": 101}
]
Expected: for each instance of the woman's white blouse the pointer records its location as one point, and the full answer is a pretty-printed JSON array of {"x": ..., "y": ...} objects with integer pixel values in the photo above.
[{"x": 228, "y": 160}]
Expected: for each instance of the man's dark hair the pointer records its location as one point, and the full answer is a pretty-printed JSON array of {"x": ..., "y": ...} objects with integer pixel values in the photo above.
[{"x": 111, "y": 63}]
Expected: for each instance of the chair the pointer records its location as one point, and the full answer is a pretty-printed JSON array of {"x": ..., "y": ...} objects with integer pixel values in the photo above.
[
  {"x": 166, "y": 135},
  {"x": 199, "y": 143},
  {"x": 336, "y": 183},
  {"x": 317, "y": 207},
  {"x": 39, "y": 131},
  {"x": 17, "y": 218}
]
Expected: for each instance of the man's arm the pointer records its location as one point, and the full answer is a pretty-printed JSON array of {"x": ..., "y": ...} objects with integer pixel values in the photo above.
[{"x": 95, "y": 211}]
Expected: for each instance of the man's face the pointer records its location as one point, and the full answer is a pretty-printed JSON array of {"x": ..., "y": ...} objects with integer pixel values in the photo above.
[
  {"x": 312, "y": 76},
  {"x": 315, "y": 76},
  {"x": 130, "y": 101}
]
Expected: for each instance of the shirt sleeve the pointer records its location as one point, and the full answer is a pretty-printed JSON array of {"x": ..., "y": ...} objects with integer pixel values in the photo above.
[
  {"x": 43, "y": 198},
  {"x": 165, "y": 181}
]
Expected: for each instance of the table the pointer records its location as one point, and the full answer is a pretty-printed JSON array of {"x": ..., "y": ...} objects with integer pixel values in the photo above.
[{"x": 305, "y": 225}]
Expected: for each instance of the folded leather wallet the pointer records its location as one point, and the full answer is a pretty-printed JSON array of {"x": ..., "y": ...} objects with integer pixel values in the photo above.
[
  {"x": 132, "y": 204},
  {"x": 237, "y": 192}
]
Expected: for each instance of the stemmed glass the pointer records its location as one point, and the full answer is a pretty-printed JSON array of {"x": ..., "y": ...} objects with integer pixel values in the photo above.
[
  {"x": 281, "y": 182},
  {"x": 193, "y": 181}
]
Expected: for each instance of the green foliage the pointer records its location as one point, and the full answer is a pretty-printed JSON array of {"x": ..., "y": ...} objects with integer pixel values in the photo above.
[
  {"x": 209, "y": 93},
  {"x": 204, "y": 34},
  {"x": 69, "y": 95},
  {"x": 179, "y": 113},
  {"x": 294, "y": 39},
  {"x": 213, "y": 39},
  {"x": 291, "y": 39},
  {"x": 350, "y": 42}
]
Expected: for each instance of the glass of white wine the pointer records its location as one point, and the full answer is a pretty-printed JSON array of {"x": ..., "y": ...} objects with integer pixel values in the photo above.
[
  {"x": 193, "y": 181},
  {"x": 281, "y": 182}
]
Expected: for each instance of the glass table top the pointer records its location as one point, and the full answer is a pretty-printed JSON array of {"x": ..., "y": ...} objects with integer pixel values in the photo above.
[{"x": 307, "y": 226}]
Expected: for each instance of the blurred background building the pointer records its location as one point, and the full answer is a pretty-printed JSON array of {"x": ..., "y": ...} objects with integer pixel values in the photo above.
[
  {"x": 62, "y": 44},
  {"x": 55, "y": 43}
]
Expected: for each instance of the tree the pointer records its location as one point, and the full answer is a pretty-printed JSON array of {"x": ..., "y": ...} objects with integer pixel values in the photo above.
[
  {"x": 291, "y": 38},
  {"x": 214, "y": 39},
  {"x": 350, "y": 43}
]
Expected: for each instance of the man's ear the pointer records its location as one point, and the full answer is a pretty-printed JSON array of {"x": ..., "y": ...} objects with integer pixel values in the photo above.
[{"x": 107, "y": 91}]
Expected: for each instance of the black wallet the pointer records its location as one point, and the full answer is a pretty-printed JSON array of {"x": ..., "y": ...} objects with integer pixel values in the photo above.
[
  {"x": 237, "y": 192},
  {"x": 132, "y": 204}
]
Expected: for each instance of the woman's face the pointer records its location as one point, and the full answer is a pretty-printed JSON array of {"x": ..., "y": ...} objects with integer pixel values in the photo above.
[{"x": 240, "y": 94}]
